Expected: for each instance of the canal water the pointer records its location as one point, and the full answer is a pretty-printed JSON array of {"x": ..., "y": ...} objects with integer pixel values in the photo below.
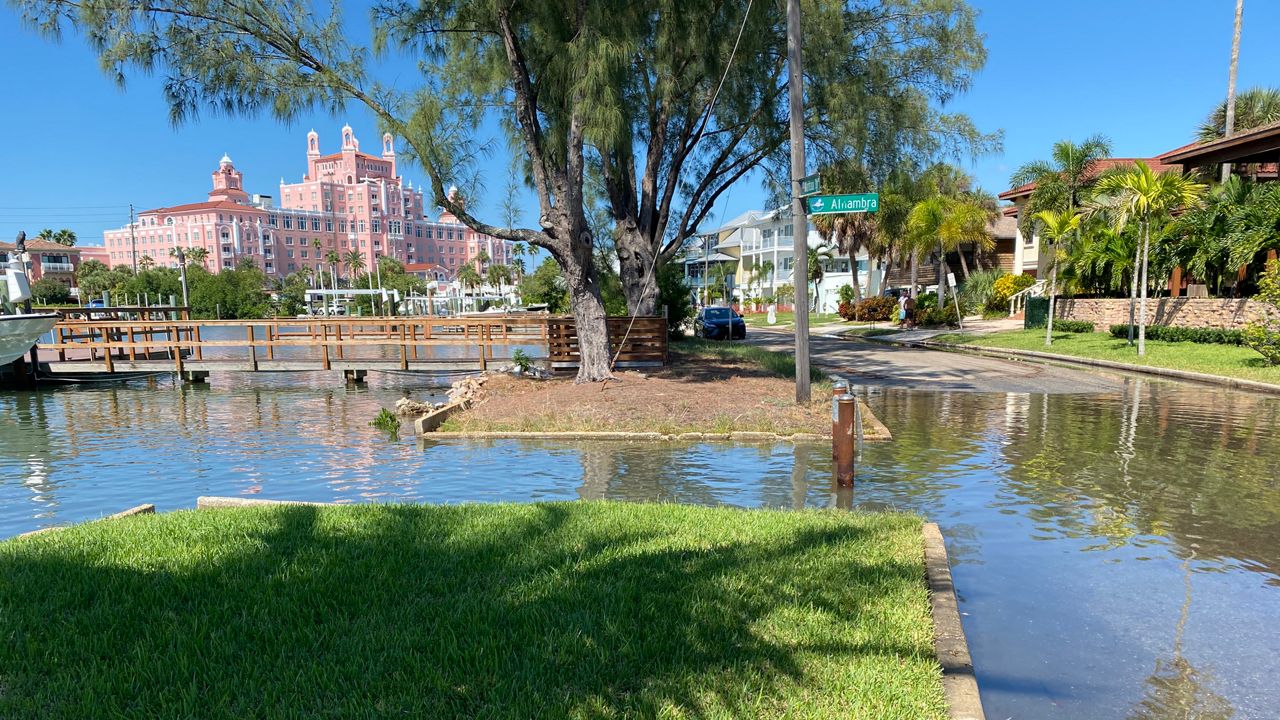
[{"x": 1116, "y": 556}]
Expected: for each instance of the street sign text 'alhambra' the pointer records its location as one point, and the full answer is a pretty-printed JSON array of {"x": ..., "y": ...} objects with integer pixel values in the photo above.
[{"x": 829, "y": 204}]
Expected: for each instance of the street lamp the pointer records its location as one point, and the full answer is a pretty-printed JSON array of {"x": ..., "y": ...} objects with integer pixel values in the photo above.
[{"x": 182, "y": 274}]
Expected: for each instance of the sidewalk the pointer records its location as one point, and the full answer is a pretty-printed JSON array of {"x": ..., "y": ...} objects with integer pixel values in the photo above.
[{"x": 976, "y": 325}]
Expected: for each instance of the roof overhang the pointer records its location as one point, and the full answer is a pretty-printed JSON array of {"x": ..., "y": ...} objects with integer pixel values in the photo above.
[{"x": 1261, "y": 144}]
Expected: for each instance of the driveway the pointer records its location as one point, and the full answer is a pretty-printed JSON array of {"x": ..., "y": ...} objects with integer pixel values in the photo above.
[{"x": 866, "y": 362}]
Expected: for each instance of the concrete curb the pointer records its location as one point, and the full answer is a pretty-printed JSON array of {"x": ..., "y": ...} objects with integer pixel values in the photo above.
[
  {"x": 1233, "y": 383},
  {"x": 208, "y": 502},
  {"x": 959, "y": 684},
  {"x": 145, "y": 509},
  {"x": 879, "y": 434}
]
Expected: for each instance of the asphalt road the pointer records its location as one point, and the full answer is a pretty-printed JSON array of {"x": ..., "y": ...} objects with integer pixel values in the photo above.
[{"x": 865, "y": 362}]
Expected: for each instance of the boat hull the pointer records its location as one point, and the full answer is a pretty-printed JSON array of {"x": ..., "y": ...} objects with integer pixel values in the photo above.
[{"x": 19, "y": 332}]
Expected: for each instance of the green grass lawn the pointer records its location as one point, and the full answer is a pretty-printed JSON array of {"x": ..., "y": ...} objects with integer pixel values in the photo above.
[
  {"x": 789, "y": 318},
  {"x": 1226, "y": 360},
  {"x": 563, "y": 610}
]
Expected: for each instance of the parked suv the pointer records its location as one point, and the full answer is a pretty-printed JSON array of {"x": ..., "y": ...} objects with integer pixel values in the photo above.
[{"x": 719, "y": 323}]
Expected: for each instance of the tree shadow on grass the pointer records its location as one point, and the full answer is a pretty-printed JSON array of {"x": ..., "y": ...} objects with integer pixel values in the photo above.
[{"x": 395, "y": 611}]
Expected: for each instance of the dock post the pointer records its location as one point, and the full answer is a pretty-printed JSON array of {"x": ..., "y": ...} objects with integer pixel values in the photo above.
[
  {"x": 840, "y": 388},
  {"x": 253, "y": 351},
  {"x": 843, "y": 441},
  {"x": 195, "y": 376},
  {"x": 354, "y": 376}
]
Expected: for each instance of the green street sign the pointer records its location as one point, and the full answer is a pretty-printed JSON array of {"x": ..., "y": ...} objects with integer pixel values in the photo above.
[
  {"x": 831, "y": 204},
  {"x": 811, "y": 185}
]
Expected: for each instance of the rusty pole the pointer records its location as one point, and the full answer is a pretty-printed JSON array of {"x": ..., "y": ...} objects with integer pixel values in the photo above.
[
  {"x": 840, "y": 388},
  {"x": 843, "y": 440}
]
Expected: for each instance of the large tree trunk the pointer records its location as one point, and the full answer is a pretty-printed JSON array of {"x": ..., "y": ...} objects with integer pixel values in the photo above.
[
  {"x": 1053, "y": 292},
  {"x": 915, "y": 274},
  {"x": 637, "y": 270},
  {"x": 588, "y": 314},
  {"x": 853, "y": 274},
  {"x": 1133, "y": 291},
  {"x": 964, "y": 265}
]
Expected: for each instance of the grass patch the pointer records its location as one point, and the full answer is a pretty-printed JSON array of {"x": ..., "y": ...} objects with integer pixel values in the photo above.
[
  {"x": 564, "y": 610},
  {"x": 778, "y": 363},
  {"x": 872, "y": 331},
  {"x": 1225, "y": 360}
]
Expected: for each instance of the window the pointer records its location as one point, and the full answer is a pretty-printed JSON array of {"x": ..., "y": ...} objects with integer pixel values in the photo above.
[
  {"x": 315, "y": 224},
  {"x": 289, "y": 253},
  {"x": 362, "y": 226},
  {"x": 305, "y": 254},
  {"x": 288, "y": 239},
  {"x": 328, "y": 224},
  {"x": 342, "y": 226},
  {"x": 377, "y": 225},
  {"x": 288, "y": 223}
]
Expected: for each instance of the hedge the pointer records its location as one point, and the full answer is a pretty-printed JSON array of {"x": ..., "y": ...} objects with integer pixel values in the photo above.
[
  {"x": 1070, "y": 326},
  {"x": 1212, "y": 336}
]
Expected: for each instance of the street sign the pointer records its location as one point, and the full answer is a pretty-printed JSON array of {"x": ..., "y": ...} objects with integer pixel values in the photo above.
[
  {"x": 811, "y": 185},
  {"x": 829, "y": 204}
]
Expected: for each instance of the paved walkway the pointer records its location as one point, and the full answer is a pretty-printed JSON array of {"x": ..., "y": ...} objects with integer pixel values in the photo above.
[{"x": 869, "y": 363}]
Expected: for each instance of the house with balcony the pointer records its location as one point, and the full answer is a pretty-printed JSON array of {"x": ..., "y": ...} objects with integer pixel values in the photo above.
[
  {"x": 711, "y": 268},
  {"x": 48, "y": 259}
]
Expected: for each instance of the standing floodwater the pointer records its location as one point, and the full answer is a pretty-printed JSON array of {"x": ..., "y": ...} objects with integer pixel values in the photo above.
[{"x": 1117, "y": 555}]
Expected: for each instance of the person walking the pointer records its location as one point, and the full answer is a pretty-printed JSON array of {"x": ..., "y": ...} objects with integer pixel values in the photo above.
[
  {"x": 909, "y": 310},
  {"x": 902, "y": 310}
]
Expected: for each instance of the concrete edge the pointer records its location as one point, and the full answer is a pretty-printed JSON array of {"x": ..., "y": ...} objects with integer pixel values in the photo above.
[
  {"x": 144, "y": 509},
  {"x": 741, "y": 436},
  {"x": 434, "y": 419},
  {"x": 959, "y": 684},
  {"x": 1233, "y": 383},
  {"x": 208, "y": 502}
]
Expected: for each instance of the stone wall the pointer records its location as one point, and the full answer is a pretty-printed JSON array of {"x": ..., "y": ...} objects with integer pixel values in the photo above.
[{"x": 1178, "y": 312}]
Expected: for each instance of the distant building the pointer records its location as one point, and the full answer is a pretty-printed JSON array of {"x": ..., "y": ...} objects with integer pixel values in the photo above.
[
  {"x": 48, "y": 259},
  {"x": 348, "y": 200}
]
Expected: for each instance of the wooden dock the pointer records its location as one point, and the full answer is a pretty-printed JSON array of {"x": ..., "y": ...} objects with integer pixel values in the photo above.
[{"x": 118, "y": 343}]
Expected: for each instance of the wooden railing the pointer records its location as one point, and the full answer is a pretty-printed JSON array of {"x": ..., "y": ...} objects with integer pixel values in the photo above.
[
  {"x": 635, "y": 342},
  {"x": 187, "y": 345}
]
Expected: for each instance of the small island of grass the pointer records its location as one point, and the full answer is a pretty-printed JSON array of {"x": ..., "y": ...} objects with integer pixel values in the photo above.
[{"x": 566, "y": 610}]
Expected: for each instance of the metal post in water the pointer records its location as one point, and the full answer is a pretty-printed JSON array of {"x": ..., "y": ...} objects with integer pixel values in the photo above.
[
  {"x": 840, "y": 388},
  {"x": 843, "y": 440}
]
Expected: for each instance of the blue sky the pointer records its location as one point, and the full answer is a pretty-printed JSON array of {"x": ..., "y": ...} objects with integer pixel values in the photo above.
[{"x": 81, "y": 150}]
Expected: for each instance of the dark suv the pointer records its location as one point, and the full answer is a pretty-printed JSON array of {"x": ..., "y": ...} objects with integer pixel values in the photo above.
[{"x": 719, "y": 323}]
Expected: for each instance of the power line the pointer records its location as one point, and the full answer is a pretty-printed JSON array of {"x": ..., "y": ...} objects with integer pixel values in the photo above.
[{"x": 64, "y": 207}]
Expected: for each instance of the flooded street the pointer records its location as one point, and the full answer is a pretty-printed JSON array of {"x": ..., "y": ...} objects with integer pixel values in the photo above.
[{"x": 1117, "y": 555}]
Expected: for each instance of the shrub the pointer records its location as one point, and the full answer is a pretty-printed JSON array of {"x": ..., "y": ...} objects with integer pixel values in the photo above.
[
  {"x": 1212, "y": 336},
  {"x": 1263, "y": 335},
  {"x": 872, "y": 308},
  {"x": 674, "y": 294},
  {"x": 1073, "y": 326},
  {"x": 846, "y": 293},
  {"x": 935, "y": 316},
  {"x": 1006, "y": 287},
  {"x": 978, "y": 288},
  {"x": 927, "y": 301},
  {"x": 50, "y": 291}
]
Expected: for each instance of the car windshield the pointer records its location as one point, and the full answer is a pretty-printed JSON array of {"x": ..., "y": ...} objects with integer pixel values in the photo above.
[{"x": 716, "y": 313}]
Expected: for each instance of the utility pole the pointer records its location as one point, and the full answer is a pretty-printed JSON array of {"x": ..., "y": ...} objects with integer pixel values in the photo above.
[
  {"x": 133, "y": 240},
  {"x": 1229, "y": 125},
  {"x": 182, "y": 274},
  {"x": 800, "y": 225}
]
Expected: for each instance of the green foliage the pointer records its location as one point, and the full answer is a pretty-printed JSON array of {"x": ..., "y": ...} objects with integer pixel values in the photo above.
[
  {"x": 236, "y": 293},
  {"x": 387, "y": 422},
  {"x": 50, "y": 291},
  {"x": 292, "y": 296},
  {"x": 846, "y": 294},
  {"x": 675, "y": 295},
  {"x": 1254, "y": 107},
  {"x": 1167, "y": 333},
  {"x": 1263, "y": 335},
  {"x": 785, "y": 294},
  {"x": 157, "y": 283},
  {"x": 1005, "y": 287},
  {"x": 869, "y": 309},
  {"x": 1073, "y": 326},
  {"x": 934, "y": 316},
  {"x": 521, "y": 360},
  {"x": 978, "y": 290},
  {"x": 545, "y": 285}
]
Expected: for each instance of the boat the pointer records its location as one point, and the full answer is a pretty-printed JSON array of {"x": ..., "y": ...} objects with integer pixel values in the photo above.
[{"x": 19, "y": 331}]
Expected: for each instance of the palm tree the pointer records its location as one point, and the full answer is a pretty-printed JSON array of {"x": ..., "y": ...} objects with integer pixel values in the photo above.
[
  {"x": 1057, "y": 228},
  {"x": 947, "y": 224},
  {"x": 497, "y": 276},
  {"x": 1229, "y": 124},
  {"x": 196, "y": 255},
  {"x": 354, "y": 260},
  {"x": 46, "y": 234},
  {"x": 146, "y": 262},
  {"x": 1254, "y": 107},
  {"x": 817, "y": 256},
  {"x": 334, "y": 260},
  {"x": 65, "y": 236},
  {"x": 1206, "y": 246},
  {"x": 1142, "y": 194},
  {"x": 468, "y": 277},
  {"x": 849, "y": 234}
]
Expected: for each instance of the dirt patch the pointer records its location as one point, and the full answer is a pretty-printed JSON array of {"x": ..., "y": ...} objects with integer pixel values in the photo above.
[{"x": 692, "y": 395}]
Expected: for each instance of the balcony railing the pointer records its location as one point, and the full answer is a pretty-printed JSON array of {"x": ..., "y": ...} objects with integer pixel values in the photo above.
[{"x": 56, "y": 267}]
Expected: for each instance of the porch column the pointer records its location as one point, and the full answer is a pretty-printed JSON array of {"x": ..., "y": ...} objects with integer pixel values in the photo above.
[{"x": 1175, "y": 282}]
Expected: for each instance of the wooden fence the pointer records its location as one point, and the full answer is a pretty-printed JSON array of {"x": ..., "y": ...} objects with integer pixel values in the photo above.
[{"x": 636, "y": 342}]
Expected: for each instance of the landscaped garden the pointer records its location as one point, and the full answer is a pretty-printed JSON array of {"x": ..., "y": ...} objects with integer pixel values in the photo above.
[{"x": 582, "y": 610}]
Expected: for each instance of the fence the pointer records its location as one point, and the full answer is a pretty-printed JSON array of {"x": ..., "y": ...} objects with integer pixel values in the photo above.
[{"x": 636, "y": 342}]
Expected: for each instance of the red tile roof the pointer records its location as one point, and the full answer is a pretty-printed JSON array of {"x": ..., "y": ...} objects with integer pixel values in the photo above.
[
  {"x": 38, "y": 245},
  {"x": 207, "y": 205},
  {"x": 338, "y": 156}
]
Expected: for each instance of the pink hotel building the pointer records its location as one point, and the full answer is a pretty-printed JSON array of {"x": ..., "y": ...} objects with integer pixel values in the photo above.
[{"x": 348, "y": 200}]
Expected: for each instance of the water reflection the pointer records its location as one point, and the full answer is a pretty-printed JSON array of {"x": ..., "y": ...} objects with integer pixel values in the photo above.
[{"x": 1076, "y": 524}]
